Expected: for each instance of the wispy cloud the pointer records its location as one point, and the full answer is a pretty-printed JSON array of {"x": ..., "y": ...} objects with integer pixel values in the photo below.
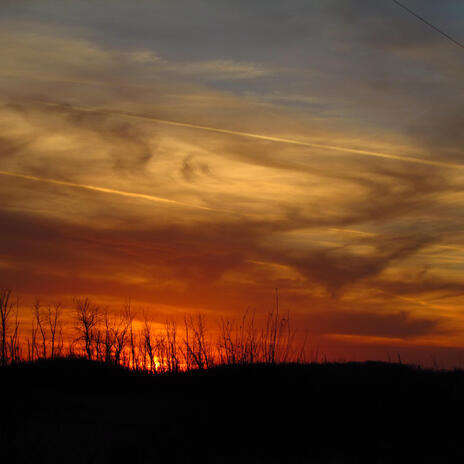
[{"x": 218, "y": 69}]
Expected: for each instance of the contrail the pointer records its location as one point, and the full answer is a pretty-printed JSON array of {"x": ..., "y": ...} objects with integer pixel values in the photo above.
[
  {"x": 101, "y": 189},
  {"x": 356, "y": 151},
  {"x": 376, "y": 154}
]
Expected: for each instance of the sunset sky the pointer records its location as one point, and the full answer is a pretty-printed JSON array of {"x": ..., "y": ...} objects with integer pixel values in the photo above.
[{"x": 194, "y": 155}]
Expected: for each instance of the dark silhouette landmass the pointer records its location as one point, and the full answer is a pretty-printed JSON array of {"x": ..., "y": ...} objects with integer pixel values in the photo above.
[{"x": 81, "y": 411}]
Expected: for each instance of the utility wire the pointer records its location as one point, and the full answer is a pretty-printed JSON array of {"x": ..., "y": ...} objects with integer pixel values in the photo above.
[{"x": 459, "y": 44}]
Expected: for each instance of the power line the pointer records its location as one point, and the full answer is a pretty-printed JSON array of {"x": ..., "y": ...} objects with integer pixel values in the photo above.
[{"x": 459, "y": 44}]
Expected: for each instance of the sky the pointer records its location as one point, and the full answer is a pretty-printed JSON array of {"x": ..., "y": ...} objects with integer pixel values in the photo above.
[{"x": 196, "y": 155}]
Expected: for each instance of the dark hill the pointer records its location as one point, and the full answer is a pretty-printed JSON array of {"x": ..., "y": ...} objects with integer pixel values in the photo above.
[{"x": 75, "y": 411}]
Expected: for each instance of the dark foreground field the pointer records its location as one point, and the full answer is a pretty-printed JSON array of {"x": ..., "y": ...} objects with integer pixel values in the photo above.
[{"x": 74, "y": 411}]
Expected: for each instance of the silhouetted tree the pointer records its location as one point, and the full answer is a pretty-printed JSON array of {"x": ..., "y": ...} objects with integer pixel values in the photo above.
[
  {"x": 14, "y": 346},
  {"x": 53, "y": 319},
  {"x": 238, "y": 341},
  {"x": 40, "y": 319},
  {"x": 5, "y": 314},
  {"x": 116, "y": 340},
  {"x": 172, "y": 347},
  {"x": 32, "y": 349},
  {"x": 197, "y": 352},
  {"x": 87, "y": 318},
  {"x": 147, "y": 346}
]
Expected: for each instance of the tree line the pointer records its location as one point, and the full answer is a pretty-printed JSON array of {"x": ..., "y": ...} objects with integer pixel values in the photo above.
[{"x": 115, "y": 338}]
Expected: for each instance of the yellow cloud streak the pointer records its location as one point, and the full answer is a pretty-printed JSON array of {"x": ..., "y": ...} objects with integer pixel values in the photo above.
[
  {"x": 93, "y": 188},
  {"x": 356, "y": 151}
]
